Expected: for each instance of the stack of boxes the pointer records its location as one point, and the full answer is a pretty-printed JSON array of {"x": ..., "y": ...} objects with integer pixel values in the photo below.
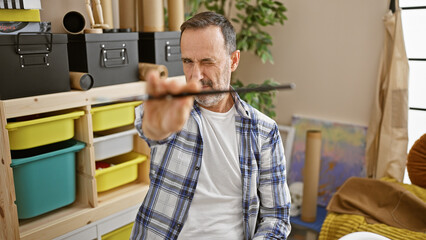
[
  {"x": 21, "y": 16},
  {"x": 114, "y": 133},
  {"x": 34, "y": 62},
  {"x": 43, "y": 162}
]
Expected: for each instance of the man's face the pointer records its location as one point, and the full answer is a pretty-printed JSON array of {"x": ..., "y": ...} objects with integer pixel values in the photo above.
[{"x": 206, "y": 60}]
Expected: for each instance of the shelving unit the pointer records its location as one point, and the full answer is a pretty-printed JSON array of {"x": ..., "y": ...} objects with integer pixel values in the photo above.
[{"x": 89, "y": 205}]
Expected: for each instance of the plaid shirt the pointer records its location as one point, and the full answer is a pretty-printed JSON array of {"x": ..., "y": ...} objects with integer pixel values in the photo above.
[{"x": 175, "y": 164}]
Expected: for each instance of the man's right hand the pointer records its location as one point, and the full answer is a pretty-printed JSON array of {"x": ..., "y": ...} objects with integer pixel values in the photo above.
[{"x": 163, "y": 117}]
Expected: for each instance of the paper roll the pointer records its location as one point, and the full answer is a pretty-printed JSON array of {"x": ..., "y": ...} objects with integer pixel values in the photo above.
[
  {"x": 144, "y": 68},
  {"x": 115, "y": 14},
  {"x": 311, "y": 172},
  {"x": 81, "y": 81},
  {"x": 139, "y": 15},
  {"x": 176, "y": 14},
  {"x": 74, "y": 22},
  {"x": 107, "y": 11},
  {"x": 153, "y": 16},
  {"x": 127, "y": 14}
]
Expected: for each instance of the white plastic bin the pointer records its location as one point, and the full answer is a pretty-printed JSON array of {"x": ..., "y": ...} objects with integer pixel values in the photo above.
[{"x": 113, "y": 144}]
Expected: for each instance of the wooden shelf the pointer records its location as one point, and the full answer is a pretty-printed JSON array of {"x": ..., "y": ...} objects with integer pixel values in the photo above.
[
  {"x": 89, "y": 205},
  {"x": 59, "y": 101}
]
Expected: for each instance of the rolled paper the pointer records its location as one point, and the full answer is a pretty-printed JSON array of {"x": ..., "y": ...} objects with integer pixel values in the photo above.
[
  {"x": 74, "y": 22},
  {"x": 127, "y": 14},
  {"x": 107, "y": 11},
  {"x": 176, "y": 14},
  {"x": 153, "y": 16},
  {"x": 144, "y": 68},
  {"x": 115, "y": 14},
  {"x": 311, "y": 172},
  {"x": 81, "y": 81},
  {"x": 139, "y": 15}
]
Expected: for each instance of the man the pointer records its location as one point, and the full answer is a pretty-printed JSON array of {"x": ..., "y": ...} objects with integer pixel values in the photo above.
[{"x": 217, "y": 164}]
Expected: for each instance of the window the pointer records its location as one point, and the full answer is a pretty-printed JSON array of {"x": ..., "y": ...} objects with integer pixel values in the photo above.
[{"x": 413, "y": 16}]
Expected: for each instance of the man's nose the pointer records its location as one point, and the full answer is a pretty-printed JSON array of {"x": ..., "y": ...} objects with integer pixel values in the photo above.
[{"x": 197, "y": 72}]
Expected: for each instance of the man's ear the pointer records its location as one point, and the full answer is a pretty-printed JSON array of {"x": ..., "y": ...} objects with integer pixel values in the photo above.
[{"x": 235, "y": 60}]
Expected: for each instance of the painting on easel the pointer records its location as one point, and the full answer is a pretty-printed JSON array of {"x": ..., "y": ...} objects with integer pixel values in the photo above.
[{"x": 342, "y": 154}]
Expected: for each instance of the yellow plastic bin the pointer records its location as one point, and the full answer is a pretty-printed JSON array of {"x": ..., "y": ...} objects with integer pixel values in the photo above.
[
  {"x": 124, "y": 170},
  {"x": 114, "y": 115},
  {"x": 122, "y": 233},
  {"x": 42, "y": 131}
]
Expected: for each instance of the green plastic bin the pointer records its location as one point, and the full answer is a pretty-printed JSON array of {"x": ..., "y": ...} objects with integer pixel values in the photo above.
[{"x": 45, "y": 177}]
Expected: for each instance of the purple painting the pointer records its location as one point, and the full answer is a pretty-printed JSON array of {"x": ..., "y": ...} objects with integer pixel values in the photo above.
[{"x": 342, "y": 154}]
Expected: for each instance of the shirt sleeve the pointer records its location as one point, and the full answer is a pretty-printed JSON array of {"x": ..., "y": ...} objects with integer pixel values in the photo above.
[
  {"x": 274, "y": 215},
  {"x": 139, "y": 111}
]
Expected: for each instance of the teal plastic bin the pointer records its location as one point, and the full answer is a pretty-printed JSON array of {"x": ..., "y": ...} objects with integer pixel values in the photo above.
[{"x": 45, "y": 177}]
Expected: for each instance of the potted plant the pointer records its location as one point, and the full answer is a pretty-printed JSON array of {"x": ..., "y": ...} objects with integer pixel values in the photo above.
[{"x": 250, "y": 20}]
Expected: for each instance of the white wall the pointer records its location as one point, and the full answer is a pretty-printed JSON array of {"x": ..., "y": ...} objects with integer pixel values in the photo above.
[{"x": 331, "y": 50}]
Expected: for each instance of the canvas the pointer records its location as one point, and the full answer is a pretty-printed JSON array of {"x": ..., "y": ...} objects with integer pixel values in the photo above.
[{"x": 342, "y": 154}]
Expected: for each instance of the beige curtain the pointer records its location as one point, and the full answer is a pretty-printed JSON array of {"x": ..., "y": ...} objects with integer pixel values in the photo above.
[{"x": 387, "y": 135}]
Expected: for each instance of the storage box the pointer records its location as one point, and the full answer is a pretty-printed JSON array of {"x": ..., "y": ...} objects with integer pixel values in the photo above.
[
  {"x": 42, "y": 131},
  {"x": 114, "y": 115},
  {"x": 111, "y": 58},
  {"x": 45, "y": 177},
  {"x": 17, "y": 27},
  {"x": 161, "y": 48},
  {"x": 113, "y": 144},
  {"x": 122, "y": 233},
  {"x": 124, "y": 170},
  {"x": 33, "y": 64}
]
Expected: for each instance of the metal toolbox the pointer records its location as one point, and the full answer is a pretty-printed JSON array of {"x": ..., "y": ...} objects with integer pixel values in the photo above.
[
  {"x": 161, "y": 48},
  {"x": 111, "y": 58},
  {"x": 33, "y": 64}
]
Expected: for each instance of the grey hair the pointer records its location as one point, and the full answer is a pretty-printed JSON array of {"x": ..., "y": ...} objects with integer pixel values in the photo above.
[{"x": 206, "y": 19}]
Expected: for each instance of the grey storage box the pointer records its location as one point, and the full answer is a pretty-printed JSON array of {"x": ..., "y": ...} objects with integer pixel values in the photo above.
[
  {"x": 111, "y": 58},
  {"x": 161, "y": 48},
  {"x": 33, "y": 64}
]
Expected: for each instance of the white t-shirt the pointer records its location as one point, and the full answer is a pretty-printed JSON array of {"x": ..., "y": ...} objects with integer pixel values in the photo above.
[{"x": 216, "y": 209}]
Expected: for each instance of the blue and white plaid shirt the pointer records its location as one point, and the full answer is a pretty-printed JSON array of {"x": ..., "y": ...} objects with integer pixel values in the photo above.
[{"x": 175, "y": 165}]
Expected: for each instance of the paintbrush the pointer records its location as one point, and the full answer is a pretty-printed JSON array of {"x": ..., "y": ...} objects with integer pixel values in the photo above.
[{"x": 147, "y": 97}]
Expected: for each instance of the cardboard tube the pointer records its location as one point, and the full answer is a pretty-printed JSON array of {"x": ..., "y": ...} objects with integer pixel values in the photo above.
[
  {"x": 311, "y": 172},
  {"x": 107, "y": 11},
  {"x": 115, "y": 14},
  {"x": 140, "y": 15},
  {"x": 127, "y": 14},
  {"x": 176, "y": 14},
  {"x": 74, "y": 22},
  {"x": 153, "y": 16},
  {"x": 144, "y": 68},
  {"x": 81, "y": 81}
]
